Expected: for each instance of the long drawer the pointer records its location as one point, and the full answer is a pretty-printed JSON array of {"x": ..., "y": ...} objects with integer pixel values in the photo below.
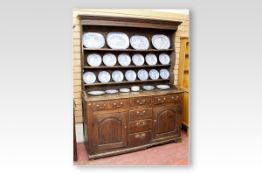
[
  {"x": 108, "y": 105},
  {"x": 139, "y": 125},
  {"x": 139, "y": 138}
]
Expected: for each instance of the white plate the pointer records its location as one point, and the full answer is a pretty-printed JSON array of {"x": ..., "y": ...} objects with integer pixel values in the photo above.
[
  {"x": 164, "y": 58},
  {"x": 109, "y": 59},
  {"x": 142, "y": 74},
  {"x": 96, "y": 92},
  {"x": 163, "y": 86},
  {"x": 161, "y": 41},
  {"x": 139, "y": 42},
  {"x": 151, "y": 59},
  {"x": 148, "y": 88},
  {"x": 89, "y": 77},
  {"x": 164, "y": 74},
  {"x": 117, "y": 76},
  {"x": 94, "y": 59},
  {"x": 138, "y": 59},
  {"x": 93, "y": 40},
  {"x": 124, "y": 90},
  {"x": 153, "y": 74},
  {"x": 111, "y": 91},
  {"x": 104, "y": 76},
  {"x": 117, "y": 40},
  {"x": 124, "y": 59},
  {"x": 130, "y": 75}
]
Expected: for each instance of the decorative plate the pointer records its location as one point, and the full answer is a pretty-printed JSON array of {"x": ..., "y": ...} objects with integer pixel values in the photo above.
[
  {"x": 153, "y": 74},
  {"x": 139, "y": 42},
  {"x": 89, "y": 77},
  {"x": 94, "y": 59},
  {"x": 111, "y": 91},
  {"x": 142, "y": 74},
  {"x": 151, "y": 59},
  {"x": 161, "y": 41},
  {"x": 96, "y": 92},
  {"x": 117, "y": 40},
  {"x": 117, "y": 76},
  {"x": 130, "y": 75},
  {"x": 93, "y": 40},
  {"x": 138, "y": 59},
  {"x": 163, "y": 86},
  {"x": 164, "y": 58},
  {"x": 148, "y": 88},
  {"x": 164, "y": 74},
  {"x": 124, "y": 90},
  {"x": 109, "y": 59},
  {"x": 104, "y": 76},
  {"x": 124, "y": 59}
]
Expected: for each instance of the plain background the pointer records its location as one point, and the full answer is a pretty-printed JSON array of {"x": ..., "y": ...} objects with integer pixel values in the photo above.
[{"x": 36, "y": 86}]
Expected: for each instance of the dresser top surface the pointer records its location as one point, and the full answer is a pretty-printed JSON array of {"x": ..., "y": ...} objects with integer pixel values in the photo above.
[{"x": 131, "y": 94}]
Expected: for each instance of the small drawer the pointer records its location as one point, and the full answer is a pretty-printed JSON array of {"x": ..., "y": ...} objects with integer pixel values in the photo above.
[
  {"x": 174, "y": 98},
  {"x": 160, "y": 100},
  {"x": 139, "y": 114},
  {"x": 140, "y": 101},
  {"x": 115, "y": 104},
  {"x": 101, "y": 105},
  {"x": 139, "y": 138},
  {"x": 139, "y": 125}
]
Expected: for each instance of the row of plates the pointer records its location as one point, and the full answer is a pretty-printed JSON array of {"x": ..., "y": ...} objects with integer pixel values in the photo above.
[
  {"x": 126, "y": 90},
  {"x": 109, "y": 59},
  {"x": 120, "y": 40},
  {"x": 130, "y": 75}
]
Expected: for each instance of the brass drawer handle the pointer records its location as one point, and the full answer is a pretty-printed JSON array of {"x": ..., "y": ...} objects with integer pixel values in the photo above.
[
  {"x": 140, "y": 123},
  {"x": 141, "y": 102}
]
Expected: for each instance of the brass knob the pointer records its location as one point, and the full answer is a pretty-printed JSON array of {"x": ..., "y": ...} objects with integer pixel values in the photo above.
[{"x": 121, "y": 103}]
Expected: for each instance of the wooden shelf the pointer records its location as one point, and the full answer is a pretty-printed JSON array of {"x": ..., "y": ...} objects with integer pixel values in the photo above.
[
  {"x": 127, "y": 82},
  {"x": 127, "y": 67},
  {"x": 126, "y": 50}
]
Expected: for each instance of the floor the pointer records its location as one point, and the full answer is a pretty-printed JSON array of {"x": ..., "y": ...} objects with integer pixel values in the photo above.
[{"x": 168, "y": 154}]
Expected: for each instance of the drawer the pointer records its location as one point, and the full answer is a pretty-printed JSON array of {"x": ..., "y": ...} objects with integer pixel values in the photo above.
[
  {"x": 160, "y": 99},
  {"x": 139, "y": 114},
  {"x": 115, "y": 104},
  {"x": 100, "y": 105},
  {"x": 172, "y": 98},
  {"x": 139, "y": 125},
  {"x": 140, "y": 101},
  {"x": 139, "y": 138}
]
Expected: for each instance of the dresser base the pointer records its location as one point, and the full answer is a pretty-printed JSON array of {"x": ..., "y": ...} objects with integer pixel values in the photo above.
[{"x": 131, "y": 149}]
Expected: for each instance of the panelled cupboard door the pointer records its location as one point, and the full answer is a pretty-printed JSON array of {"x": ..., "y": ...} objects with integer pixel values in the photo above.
[
  {"x": 167, "y": 122},
  {"x": 110, "y": 130}
]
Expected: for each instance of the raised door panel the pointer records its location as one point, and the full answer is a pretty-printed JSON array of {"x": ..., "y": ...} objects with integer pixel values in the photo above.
[
  {"x": 110, "y": 131},
  {"x": 167, "y": 122}
]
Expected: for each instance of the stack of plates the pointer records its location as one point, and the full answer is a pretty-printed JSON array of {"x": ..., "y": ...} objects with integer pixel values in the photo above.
[
  {"x": 163, "y": 86},
  {"x": 96, "y": 92}
]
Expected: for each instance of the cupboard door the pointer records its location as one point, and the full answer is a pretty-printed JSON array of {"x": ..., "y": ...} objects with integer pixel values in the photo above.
[
  {"x": 110, "y": 131},
  {"x": 167, "y": 121}
]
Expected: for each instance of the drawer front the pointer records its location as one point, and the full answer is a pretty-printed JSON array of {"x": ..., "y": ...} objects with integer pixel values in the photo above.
[
  {"x": 101, "y": 105},
  {"x": 140, "y": 125},
  {"x": 140, "y": 101},
  {"x": 116, "y": 104},
  {"x": 139, "y": 114},
  {"x": 160, "y": 100},
  {"x": 174, "y": 98},
  {"x": 139, "y": 138}
]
